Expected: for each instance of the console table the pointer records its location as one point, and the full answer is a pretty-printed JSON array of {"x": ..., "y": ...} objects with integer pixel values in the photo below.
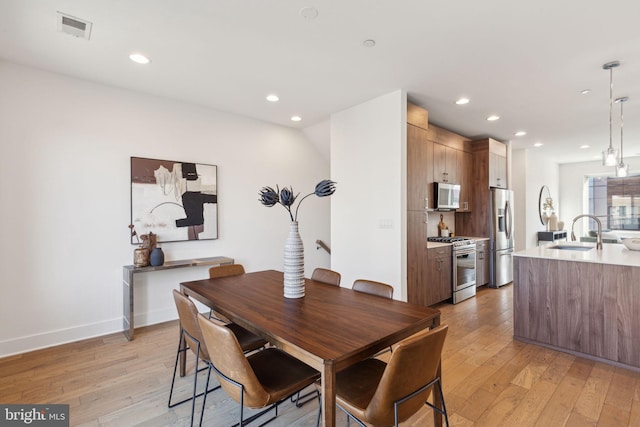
[
  {"x": 551, "y": 236},
  {"x": 129, "y": 271}
]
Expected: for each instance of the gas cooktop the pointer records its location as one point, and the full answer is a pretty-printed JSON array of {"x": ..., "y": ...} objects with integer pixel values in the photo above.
[
  {"x": 458, "y": 242},
  {"x": 446, "y": 239}
]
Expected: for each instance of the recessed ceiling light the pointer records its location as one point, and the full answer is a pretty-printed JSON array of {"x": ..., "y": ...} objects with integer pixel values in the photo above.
[
  {"x": 309, "y": 12},
  {"x": 538, "y": 144},
  {"x": 493, "y": 118},
  {"x": 520, "y": 133},
  {"x": 585, "y": 146},
  {"x": 296, "y": 118},
  {"x": 462, "y": 101},
  {"x": 273, "y": 98},
  {"x": 139, "y": 58},
  {"x": 369, "y": 43},
  {"x": 585, "y": 91}
]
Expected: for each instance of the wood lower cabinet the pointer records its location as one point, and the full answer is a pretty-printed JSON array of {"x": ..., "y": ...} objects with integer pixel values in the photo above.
[
  {"x": 482, "y": 263},
  {"x": 440, "y": 264},
  {"x": 429, "y": 273}
]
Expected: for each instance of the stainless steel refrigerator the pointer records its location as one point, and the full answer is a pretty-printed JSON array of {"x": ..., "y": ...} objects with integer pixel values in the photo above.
[{"x": 501, "y": 233}]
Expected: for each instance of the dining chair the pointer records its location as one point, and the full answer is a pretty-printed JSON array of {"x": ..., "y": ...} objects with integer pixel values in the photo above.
[
  {"x": 374, "y": 288},
  {"x": 385, "y": 394},
  {"x": 224, "y": 270},
  {"x": 260, "y": 380},
  {"x": 191, "y": 338},
  {"x": 326, "y": 276}
]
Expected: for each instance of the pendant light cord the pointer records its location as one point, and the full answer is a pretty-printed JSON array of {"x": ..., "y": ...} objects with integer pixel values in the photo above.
[
  {"x": 611, "y": 108},
  {"x": 621, "y": 128}
]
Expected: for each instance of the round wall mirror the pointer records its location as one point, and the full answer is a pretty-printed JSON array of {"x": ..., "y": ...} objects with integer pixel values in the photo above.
[{"x": 545, "y": 195}]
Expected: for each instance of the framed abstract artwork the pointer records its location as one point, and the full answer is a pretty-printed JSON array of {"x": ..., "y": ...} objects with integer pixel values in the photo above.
[{"x": 176, "y": 200}]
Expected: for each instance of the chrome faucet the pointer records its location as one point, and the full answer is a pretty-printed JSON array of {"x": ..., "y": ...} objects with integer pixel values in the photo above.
[{"x": 599, "y": 242}]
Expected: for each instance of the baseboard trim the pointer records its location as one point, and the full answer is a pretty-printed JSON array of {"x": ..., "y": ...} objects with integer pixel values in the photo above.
[{"x": 28, "y": 343}]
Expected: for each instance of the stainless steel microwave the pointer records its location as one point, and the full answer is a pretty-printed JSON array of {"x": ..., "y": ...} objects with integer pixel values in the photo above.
[{"x": 447, "y": 196}]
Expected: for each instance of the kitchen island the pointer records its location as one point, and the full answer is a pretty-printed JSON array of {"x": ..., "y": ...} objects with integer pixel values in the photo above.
[{"x": 580, "y": 300}]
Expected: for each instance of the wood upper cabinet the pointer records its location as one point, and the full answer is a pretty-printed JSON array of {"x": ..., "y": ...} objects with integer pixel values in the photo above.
[
  {"x": 465, "y": 179},
  {"x": 417, "y": 116},
  {"x": 489, "y": 170},
  {"x": 419, "y": 169},
  {"x": 445, "y": 164},
  {"x": 497, "y": 164}
]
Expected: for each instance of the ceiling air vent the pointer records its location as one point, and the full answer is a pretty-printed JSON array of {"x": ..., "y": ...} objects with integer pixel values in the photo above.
[{"x": 76, "y": 27}]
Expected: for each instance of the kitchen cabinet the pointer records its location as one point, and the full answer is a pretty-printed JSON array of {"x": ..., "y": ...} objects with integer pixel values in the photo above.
[
  {"x": 482, "y": 263},
  {"x": 465, "y": 175},
  {"x": 417, "y": 116},
  {"x": 429, "y": 274},
  {"x": 419, "y": 169},
  {"x": 445, "y": 164},
  {"x": 439, "y": 264},
  {"x": 418, "y": 276},
  {"x": 497, "y": 164},
  {"x": 490, "y": 168}
]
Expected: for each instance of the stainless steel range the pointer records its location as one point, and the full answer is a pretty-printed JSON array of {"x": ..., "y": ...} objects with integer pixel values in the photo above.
[{"x": 464, "y": 266}]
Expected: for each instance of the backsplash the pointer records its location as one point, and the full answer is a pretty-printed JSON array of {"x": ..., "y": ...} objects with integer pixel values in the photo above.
[{"x": 434, "y": 218}]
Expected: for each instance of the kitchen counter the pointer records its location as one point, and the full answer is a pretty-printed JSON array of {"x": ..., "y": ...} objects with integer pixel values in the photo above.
[
  {"x": 610, "y": 254},
  {"x": 582, "y": 302}
]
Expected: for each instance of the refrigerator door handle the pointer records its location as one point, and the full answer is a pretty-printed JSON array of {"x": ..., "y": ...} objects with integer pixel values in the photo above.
[{"x": 509, "y": 221}]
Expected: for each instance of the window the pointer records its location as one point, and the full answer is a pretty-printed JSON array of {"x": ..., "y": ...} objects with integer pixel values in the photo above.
[{"x": 615, "y": 201}]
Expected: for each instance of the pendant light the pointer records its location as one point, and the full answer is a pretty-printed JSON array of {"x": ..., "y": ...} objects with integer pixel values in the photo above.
[
  {"x": 621, "y": 169},
  {"x": 610, "y": 155}
]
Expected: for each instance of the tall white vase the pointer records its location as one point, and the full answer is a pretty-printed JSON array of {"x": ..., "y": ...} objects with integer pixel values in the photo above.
[{"x": 293, "y": 263}]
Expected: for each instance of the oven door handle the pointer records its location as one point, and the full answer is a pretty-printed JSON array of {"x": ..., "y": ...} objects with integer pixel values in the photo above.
[{"x": 464, "y": 252}]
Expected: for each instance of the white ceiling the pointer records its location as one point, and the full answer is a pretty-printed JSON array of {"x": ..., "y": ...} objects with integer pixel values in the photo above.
[{"x": 526, "y": 62}]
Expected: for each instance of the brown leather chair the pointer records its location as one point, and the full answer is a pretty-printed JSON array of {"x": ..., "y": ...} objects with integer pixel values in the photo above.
[
  {"x": 224, "y": 270},
  {"x": 191, "y": 338},
  {"x": 374, "y": 288},
  {"x": 386, "y": 394},
  {"x": 326, "y": 276},
  {"x": 262, "y": 379}
]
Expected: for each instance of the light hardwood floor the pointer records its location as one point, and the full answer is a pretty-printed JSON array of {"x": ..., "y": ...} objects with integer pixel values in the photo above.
[{"x": 489, "y": 379}]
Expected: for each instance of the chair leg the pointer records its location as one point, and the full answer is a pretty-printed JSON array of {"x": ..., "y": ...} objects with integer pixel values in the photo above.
[
  {"x": 195, "y": 376},
  {"x": 444, "y": 407},
  {"x": 204, "y": 399},
  {"x": 442, "y": 410},
  {"x": 300, "y": 401}
]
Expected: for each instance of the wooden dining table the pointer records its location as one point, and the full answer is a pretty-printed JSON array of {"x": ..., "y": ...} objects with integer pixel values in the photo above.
[{"x": 330, "y": 328}]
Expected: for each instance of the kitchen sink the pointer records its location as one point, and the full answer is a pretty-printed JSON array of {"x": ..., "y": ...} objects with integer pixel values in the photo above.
[{"x": 571, "y": 248}]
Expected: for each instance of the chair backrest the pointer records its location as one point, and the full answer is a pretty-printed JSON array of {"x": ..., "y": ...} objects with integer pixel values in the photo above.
[
  {"x": 225, "y": 270},
  {"x": 188, "y": 314},
  {"x": 412, "y": 365},
  {"x": 374, "y": 288},
  {"x": 227, "y": 356},
  {"x": 326, "y": 276}
]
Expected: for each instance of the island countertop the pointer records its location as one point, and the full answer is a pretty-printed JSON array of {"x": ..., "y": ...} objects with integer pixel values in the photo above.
[{"x": 611, "y": 254}]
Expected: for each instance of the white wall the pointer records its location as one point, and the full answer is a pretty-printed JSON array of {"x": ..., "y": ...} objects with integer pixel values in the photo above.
[
  {"x": 368, "y": 222},
  {"x": 531, "y": 169},
  {"x": 65, "y": 189}
]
